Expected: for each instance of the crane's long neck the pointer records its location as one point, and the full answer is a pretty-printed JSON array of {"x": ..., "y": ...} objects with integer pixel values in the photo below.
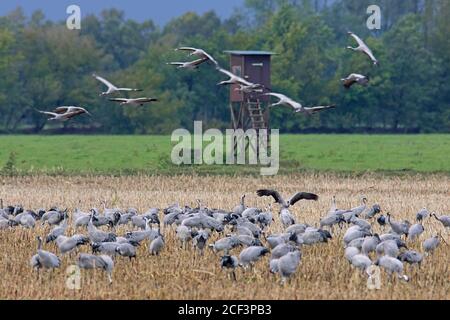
[{"x": 39, "y": 243}]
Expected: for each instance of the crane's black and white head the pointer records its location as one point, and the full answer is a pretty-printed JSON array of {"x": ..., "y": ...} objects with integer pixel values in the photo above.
[
  {"x": 229, "y": 262},
  {"x": 325, "y": 235},
  {"x": 381, "y": 220},
  {"x": 95, "y": 247},
  {"x": 293, "y": 237},
  {"x": 111, "y": 237}
]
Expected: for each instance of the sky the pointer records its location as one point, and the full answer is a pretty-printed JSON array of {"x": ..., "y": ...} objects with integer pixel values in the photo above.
[{"x": 160, "y": 11}]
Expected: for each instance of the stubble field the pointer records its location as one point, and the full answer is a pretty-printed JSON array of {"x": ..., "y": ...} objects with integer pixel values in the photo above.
[{"x": 182, "y": 274}]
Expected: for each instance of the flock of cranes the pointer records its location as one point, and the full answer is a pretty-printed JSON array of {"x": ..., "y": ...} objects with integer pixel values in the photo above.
[
  {"x": 67, "y": 113},
  {"x": 240, "y": 237}
]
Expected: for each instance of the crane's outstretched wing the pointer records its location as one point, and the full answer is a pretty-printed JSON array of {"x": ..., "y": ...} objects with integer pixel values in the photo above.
[
  {"x": 119, "y": 99},
  {"x": 61, "y": 110},
  {"x": 142, "y": 100},
  {"x": 358, "y": 39},
  {"x": 226, "y": 72},
  {"x": 199, "y": 61},
  {"x": 47, "y": 113},
  {"x": 270, "y": 193},
  {"x": 104, "y": 81},
  {"x": 210, "y": 57},
  {"x": 175, "y": 63},
  {"x": 277, "y": 95},
  {"x": 303, "y": 196},
  {"x": 320, "y": 108},
  {"x": 186, "y": 49}
]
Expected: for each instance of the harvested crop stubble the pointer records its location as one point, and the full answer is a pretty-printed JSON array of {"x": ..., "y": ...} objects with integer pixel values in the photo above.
[{"x": 179, "y": 274}]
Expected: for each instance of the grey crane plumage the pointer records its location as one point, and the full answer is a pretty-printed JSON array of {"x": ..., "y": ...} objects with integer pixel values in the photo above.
[
  {"x": 422, "y": 214},
  {"x": 200, "y": 240},
  {"x": 372, "y": 212},
  {"x": 249, "y": 241},
  {"x": 190, "y": 65},
  {"x": 184, "y": 234},
  {"x": 445, "y": 220},
  {"x": 90, "y": 261},
  {"x": 265, "y": 218},
  {"x": 97, "y": 235},
  {"x": 392, "y": 265},
  {"x": 107, "y": 248},
  {"x": 133, "y": 101},
  {"x": 139, "y": 236},
  {"x": 230, "y": 262},
  {"x": 226, "y": 244},
  {"x": 44, "y": 259},
  {"x": 370, "y": 244},
  {"x": 282, "y": 249},
  {"x": 363, "y": 224},
  {"x": 313, "y": 237},
  {"x": 399, "y": 228},
  {"x": 288, "y": 264},
  {"x": 139, "y": 221},
  {"x": 298, "y": 228},
  {"x": 350, "y": 252},
  {"x": 361, "y": 262},
  {"x": 275, "y": 240},
  {"x": 286, "y": 204},
  {"x": 57, "y": 231},
  {"x": 54, "y": 217},
  {"x": 112, "y": 88},
  {"x": 251, "y": 254},
  {"x": 415, "y": 231},
  {"x": 286, "y": 218},
  {"x": 68, "y": 244},
  {"x": 381, "y": 220},
  {"x": 388, "y": 248},
  {"x": 156, "y": 245},
  {"x": 233, "y": 79},
  {"x": 354, "y": 233},
  {"x": 200, "y": 53},
  {"x": 355, "y": 78},
  {"x": 411, "y": 257},
  {"x": 390, "y": 236},
  {"x": 65, "y": 113},
  {"x": 26, "y": 220},
  {"x": 357, "y": 243},
  {"x": 296, "y": 106},
  {"x": 126, "y": 250},
  {"x": 362, "y": 47},
  {"x": 331, "y": 220},
  {"x": 239, "y": 209},
  {"x": 250, "y": 213},
  {"x": 429, "y": 245},
  {"x": 273, "y": 266}
]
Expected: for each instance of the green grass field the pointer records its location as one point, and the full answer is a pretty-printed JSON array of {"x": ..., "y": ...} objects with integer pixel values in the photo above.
[{"x": 151, "y": 155}]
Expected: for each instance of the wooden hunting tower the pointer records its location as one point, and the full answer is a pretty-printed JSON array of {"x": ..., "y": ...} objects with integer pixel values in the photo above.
[{"x": 250, "y": 110}]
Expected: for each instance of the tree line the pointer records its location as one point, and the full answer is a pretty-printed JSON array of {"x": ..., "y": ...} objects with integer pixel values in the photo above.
[{"x": 43, "y": 65}]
